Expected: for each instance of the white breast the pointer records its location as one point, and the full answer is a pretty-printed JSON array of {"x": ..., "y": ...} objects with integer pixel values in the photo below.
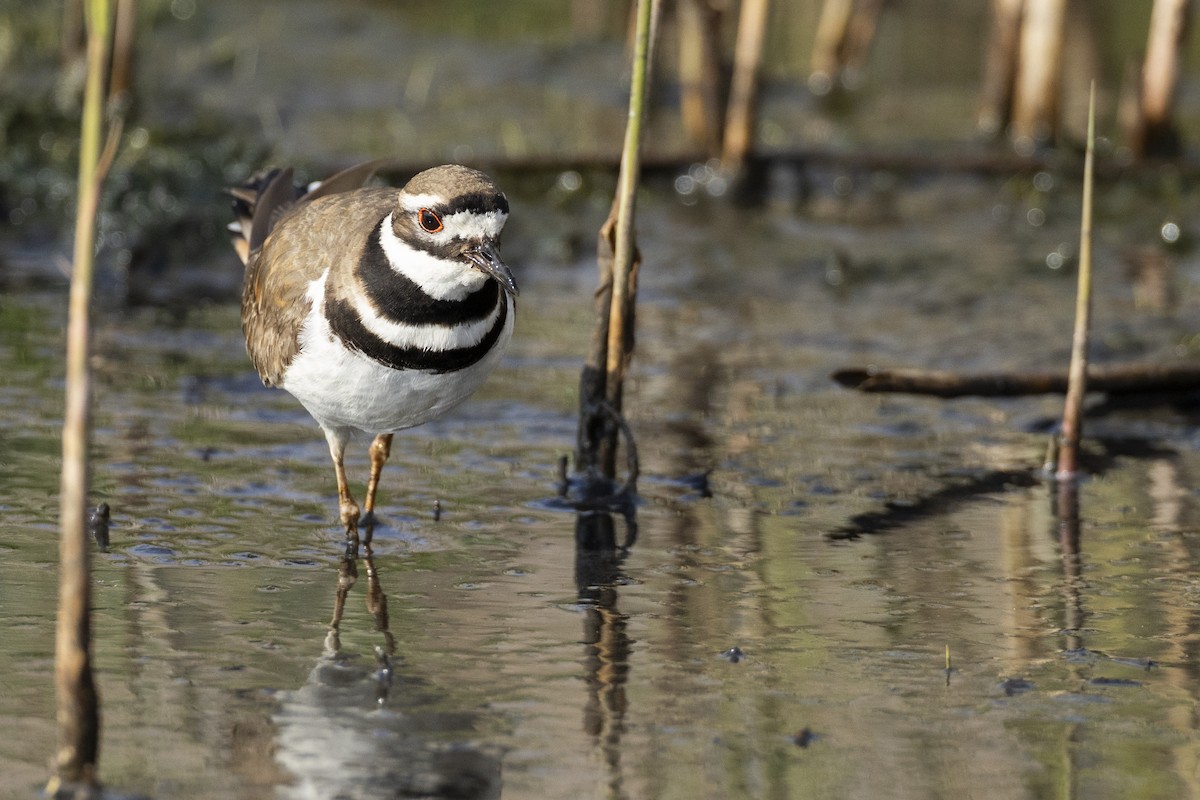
[{"x": 341, "y": 388}]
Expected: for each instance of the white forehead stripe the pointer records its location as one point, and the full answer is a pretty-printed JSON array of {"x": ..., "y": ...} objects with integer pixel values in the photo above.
[
  {"x": 461, "y": 224},
  {"x": 415, "y": 202},
  {"x": 473, "y": 225}
]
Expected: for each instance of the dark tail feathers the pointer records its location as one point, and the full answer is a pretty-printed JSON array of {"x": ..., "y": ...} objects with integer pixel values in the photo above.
[{"x": 263, "y": 199}]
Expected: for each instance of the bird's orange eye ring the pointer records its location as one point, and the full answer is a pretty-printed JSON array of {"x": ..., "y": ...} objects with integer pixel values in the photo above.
[{"x": 430, "y": 222}]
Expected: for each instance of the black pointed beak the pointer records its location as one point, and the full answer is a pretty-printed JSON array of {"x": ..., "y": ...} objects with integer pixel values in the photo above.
[{"x": 486, "y": 258}]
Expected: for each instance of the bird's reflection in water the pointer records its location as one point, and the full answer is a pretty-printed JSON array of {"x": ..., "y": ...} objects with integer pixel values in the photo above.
[
  {"x": 606, "y": 641},
  {"x": 354, "y": 731},
  {"x": 376, "y": 605}
]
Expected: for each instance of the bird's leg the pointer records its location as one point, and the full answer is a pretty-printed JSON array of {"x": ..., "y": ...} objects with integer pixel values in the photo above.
[
  {"x": 381, "y": 448},
  {"x": 347, "y": 508}
]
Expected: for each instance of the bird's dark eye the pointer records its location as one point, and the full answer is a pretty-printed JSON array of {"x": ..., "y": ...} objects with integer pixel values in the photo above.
[{"x": 430, "y": 221}]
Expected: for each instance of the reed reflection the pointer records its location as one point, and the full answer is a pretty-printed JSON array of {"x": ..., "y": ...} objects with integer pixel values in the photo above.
[
  {"x": 598, "y": 560},
  {"x": 1067, "y": 517}
]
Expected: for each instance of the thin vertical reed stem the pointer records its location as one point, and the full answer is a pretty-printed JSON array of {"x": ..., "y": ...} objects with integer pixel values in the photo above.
[
  {"x": 631, "y": 165},
  {"x": 700, "y": 74},
  {"x": 1072, "y": 432},
  {"x": 826, "y": 62},
  {"x": 743, "y": 91},
  {"x": 120, "y": 83},
  {"x": 1000, "y": 67},
  {"x": 620, "y": 334},
  {"x": 1160, "y": 78},
  {"x": 1039, "y": 71},
  {"x": 78, "y": 706}
]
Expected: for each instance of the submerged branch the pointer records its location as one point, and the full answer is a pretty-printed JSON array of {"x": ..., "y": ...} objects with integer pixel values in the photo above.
[{"x": 1113, "y": 379}]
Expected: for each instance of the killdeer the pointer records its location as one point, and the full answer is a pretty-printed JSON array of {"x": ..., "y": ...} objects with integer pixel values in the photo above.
[{"x": 377, "y": 308}]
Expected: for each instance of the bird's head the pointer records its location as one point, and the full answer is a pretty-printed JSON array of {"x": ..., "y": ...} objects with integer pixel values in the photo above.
[{"x": 455, "y": 214}]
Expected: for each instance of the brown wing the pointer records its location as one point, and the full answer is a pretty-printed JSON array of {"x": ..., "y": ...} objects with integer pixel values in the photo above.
[
  {"x": 348, "y": 179},
  {"x": 328, "y": 232}
]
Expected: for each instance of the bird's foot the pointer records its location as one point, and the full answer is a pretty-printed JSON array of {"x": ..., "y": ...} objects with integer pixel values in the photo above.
[{"x": 349, "y": 514}]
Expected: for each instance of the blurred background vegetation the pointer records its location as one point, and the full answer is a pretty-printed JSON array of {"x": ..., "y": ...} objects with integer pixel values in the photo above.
[{"x": 218, "y": 89}]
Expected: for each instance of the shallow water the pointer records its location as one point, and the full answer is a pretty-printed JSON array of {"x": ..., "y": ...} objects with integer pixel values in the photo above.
[
  {"x": 849, "y": 542},
  {"x": 830, "y": 594}
]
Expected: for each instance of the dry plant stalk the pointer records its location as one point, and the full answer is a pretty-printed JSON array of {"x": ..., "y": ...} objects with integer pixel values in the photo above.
[
  {"x": 842, "y": 44},
  {"x": 1072, "y": 427},
  {"x": 1039, "y": 70},
  {"x": 1155, "y": 133},
  {"x": 700, "y": 74},
  {"x": 624, "y": 244},
  {"x": 611, "y": 347},
  {"x": 78, "y": 711},
  {"x": 120, "y": 79},
  {"x": 741, "y": 117},
  {"x": 832, "y": 30},
  {"x": 1000, "y": 67}
]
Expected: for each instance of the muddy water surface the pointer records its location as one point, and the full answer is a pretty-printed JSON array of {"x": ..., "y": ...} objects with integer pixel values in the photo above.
[
  {"x": 842, "y": 543},
  {"x": 806, "y": 558}
]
